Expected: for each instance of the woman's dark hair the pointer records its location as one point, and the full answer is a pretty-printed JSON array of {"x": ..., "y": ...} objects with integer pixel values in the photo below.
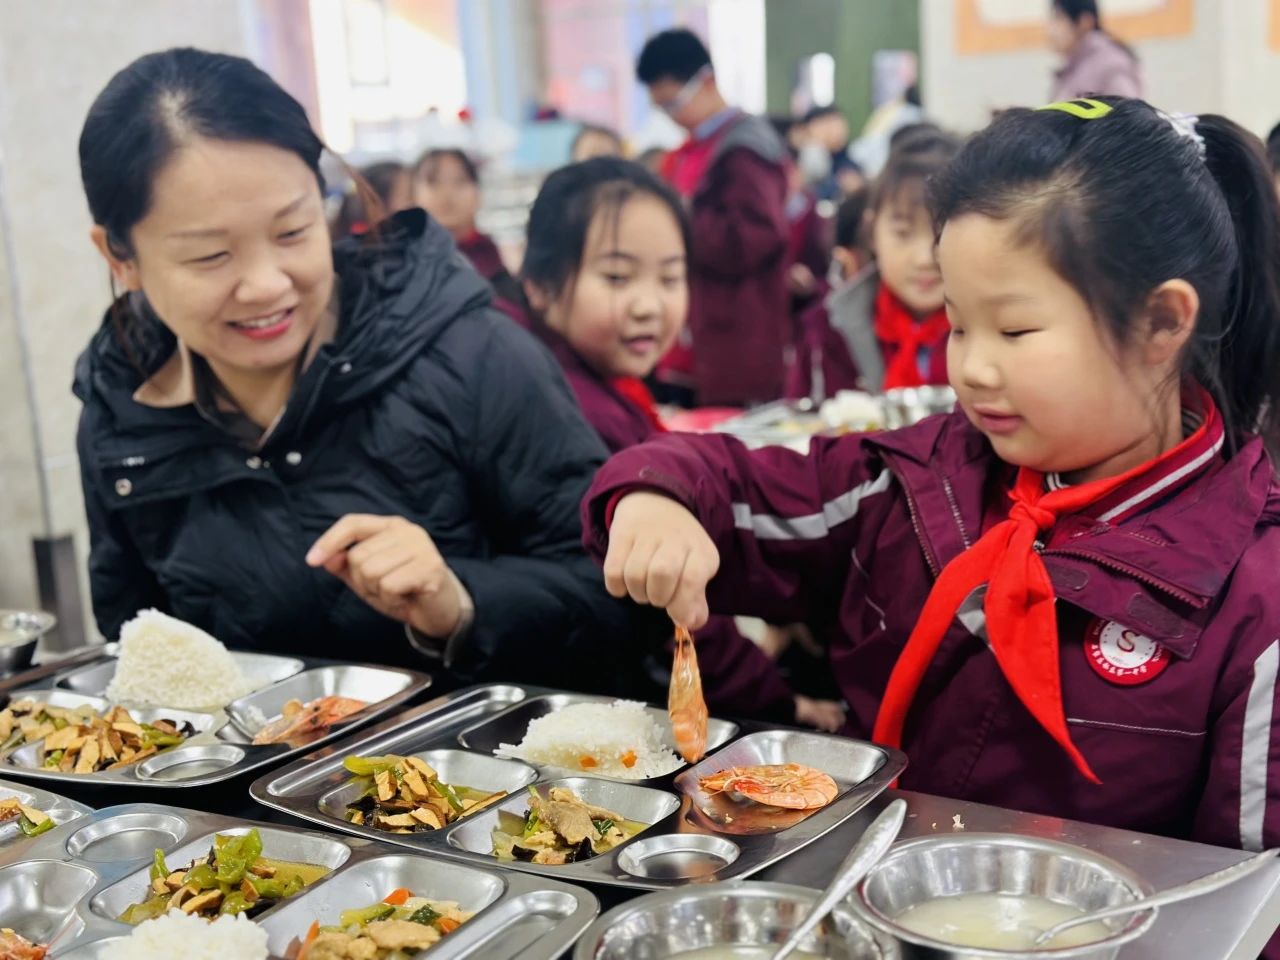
[
  {"x": 1124, "y": 202},
  {"x": 356, "y": 215},
  {"x": 428, "y": 164},
  {"x": 671, "y": 55},
  {"x": 1077, "y": 10},
  {"x": 916, "y": 155},
  {"x": 567, "y": 205},
  {"x": 158, "y": 103},
  {"x": 1273, "y": 148}
]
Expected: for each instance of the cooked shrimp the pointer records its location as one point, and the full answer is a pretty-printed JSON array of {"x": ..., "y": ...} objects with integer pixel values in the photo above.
[
  {"x": 684, "y": 700},
  {"x": 299, "y": 722},
  {"x": 791, "y": 785}
]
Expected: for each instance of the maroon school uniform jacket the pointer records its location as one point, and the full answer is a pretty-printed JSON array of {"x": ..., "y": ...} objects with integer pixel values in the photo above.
[
  {"x": 738, "y": 679},
  {"x": 1169, "y": 618},
  {"x": 739, "y": 310},
  {"x": 838, "y": 348}
]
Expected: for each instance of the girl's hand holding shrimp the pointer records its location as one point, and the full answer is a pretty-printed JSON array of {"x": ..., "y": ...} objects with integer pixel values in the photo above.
[
  {"x": 660, "y": 555},
  {"x": 392, "y": 565}
]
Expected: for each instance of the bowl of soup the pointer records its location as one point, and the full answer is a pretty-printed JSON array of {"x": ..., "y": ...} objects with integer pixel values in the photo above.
[
  {"x": 739, "y": 920},
  {"x": 988, "y": 896}
]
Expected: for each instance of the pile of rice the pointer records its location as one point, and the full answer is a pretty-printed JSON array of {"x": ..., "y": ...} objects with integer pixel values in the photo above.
[
  {"x": 594, "y": 738},
  {"x": 165, "y": 662},
  {"x": 179, "y": 934}
]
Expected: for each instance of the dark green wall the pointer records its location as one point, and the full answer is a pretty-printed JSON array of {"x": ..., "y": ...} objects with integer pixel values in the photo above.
[{"x": 849, "y": 30}]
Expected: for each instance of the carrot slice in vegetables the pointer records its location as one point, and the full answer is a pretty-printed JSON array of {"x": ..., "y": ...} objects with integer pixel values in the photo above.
[
  {"x": 311, "y": 938},
  {"x": 398, "y": 896}
]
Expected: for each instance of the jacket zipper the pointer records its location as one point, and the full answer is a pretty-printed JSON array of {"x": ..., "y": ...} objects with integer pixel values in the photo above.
[
  {"x": 915, "y": 521},
  {"x": 1133, "y": 572}
]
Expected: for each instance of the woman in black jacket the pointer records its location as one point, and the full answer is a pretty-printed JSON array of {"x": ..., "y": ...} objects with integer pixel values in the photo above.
[{"x": 305, "y": 448}]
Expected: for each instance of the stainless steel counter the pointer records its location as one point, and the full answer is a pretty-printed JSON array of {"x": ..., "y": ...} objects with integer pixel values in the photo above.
[{"x": 1233, "y": 924}]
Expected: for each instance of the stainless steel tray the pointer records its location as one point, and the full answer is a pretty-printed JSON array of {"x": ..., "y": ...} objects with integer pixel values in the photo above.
[
  {"x": 84, "y": 874},
  {"x": 223, "y": 751},
  {"x": 62, "y": 809},
  {"x": 686, "y": 843}
]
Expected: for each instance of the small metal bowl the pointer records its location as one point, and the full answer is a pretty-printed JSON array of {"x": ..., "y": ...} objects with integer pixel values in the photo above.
[
  {"x": 904, "y": 406},
  {"x": 920, "y": 870},
  {"x": 740, "y": 913},
  {"x": 20, "y": 632}
]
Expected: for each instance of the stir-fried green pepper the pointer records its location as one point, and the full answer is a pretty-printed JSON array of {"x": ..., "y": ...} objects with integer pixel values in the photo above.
[
  {"x": 379, "y": 911},
  {"x": 425, "y": 916},
  {"x": 203, "y": 876},
  {"x": 236, "y": 855},
  {"x": 33, "y": 829},
  {"x": 368, "y": 766},
  {"x": 233, "y": 903},
  {"x": 159, "y": 869},
  {"x": 147, "y": 910},
  {"x": 159, "y": 739},
  {"x": 446, "y": 791},
  {"x": 53, "y": 759}
]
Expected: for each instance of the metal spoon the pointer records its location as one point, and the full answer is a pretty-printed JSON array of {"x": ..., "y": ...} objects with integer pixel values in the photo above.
[
  {"x": 1183, "y": 891},
  {"x": 869, "y": 849}
]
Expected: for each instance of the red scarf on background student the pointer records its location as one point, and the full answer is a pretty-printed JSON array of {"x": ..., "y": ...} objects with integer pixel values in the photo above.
[
  {"x": 634, "y": 390},
  {"x": 902, "y": 336},
  {"x": 1022, "y": 627}
]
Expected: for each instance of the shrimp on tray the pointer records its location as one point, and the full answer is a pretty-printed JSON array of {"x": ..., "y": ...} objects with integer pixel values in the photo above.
[
  {"x": 300, "y": 722},
  {"x": 790, "y": 785},
  {"x": 685, "y": 704}
]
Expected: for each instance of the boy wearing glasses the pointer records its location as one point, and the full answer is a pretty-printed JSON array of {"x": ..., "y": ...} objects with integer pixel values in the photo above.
[{"x": 731, "y": 172}]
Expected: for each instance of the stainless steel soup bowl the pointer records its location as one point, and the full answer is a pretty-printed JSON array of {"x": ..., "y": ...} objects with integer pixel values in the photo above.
[
  {"x": 740, "y": 913},
  {"x": 916, "y": 871},
  {"x": 20, "y": 633}
]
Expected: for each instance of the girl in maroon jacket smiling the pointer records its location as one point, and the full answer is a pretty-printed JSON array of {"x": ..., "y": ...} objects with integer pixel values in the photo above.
[
  {"x": 1061, "y": 598},
  {"x": 605, "y": 277}
]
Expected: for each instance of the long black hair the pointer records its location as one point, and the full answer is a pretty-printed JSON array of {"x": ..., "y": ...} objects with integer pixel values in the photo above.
[
  {"x": 567, "y": 205},
  {"x": 153, "y": 106},
  {"x": 1130, "y": 199}
]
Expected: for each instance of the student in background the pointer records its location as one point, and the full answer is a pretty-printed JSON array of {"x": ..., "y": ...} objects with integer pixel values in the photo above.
[
  {"x": 594, "y": 140},
  {"x": 883, "y": 325},
  {"x": 605, "y": 274},
  {"x": 732, "y": 171},
  {"x": 1093, "y": 61},
  {"x": 446, "y": 184},
  {"x": 391, "y": 183}
]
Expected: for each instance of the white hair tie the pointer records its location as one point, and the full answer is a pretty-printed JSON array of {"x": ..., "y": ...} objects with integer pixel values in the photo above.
[{"x": 1184, "y": 125}]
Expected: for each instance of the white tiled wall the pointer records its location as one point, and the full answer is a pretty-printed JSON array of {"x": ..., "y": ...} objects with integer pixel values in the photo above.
[{"x": 55, "y": 55}]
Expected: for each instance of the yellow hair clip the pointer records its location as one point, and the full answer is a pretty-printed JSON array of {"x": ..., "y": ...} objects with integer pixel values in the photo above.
[{"x": 1080, "y": 109}]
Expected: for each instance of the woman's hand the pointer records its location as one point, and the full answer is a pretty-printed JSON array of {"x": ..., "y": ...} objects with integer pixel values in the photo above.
[
  {"x": 392, "y": 565},
  {"x": 660, "y": 555}
]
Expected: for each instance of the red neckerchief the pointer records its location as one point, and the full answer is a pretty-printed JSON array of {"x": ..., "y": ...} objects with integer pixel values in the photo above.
[
  {"x": 1021, "y": 624},
  {"x": 634, "y": 390},
  {"x": 896, "y": 327}
]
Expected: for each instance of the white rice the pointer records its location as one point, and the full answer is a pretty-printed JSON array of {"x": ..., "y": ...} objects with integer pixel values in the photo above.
[
  {"x": 179, "y": 934},
  {"x": 165, "y": 662},
  {"x": 602, "y": 732}
]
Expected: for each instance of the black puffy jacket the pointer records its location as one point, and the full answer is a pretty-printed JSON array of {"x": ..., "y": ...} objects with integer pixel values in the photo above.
[{"x": 428, "y": 405}]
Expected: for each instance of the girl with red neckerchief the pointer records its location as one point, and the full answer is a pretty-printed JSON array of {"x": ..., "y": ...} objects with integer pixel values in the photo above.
[{"x": 1061, "y": 598}]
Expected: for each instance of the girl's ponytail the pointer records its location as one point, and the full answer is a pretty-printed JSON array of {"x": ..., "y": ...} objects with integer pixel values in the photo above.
[{"x": 1246, "y": 377}]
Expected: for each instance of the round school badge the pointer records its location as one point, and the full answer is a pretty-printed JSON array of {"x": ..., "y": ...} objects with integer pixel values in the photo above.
[{"x": 1121, "y": 656}]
